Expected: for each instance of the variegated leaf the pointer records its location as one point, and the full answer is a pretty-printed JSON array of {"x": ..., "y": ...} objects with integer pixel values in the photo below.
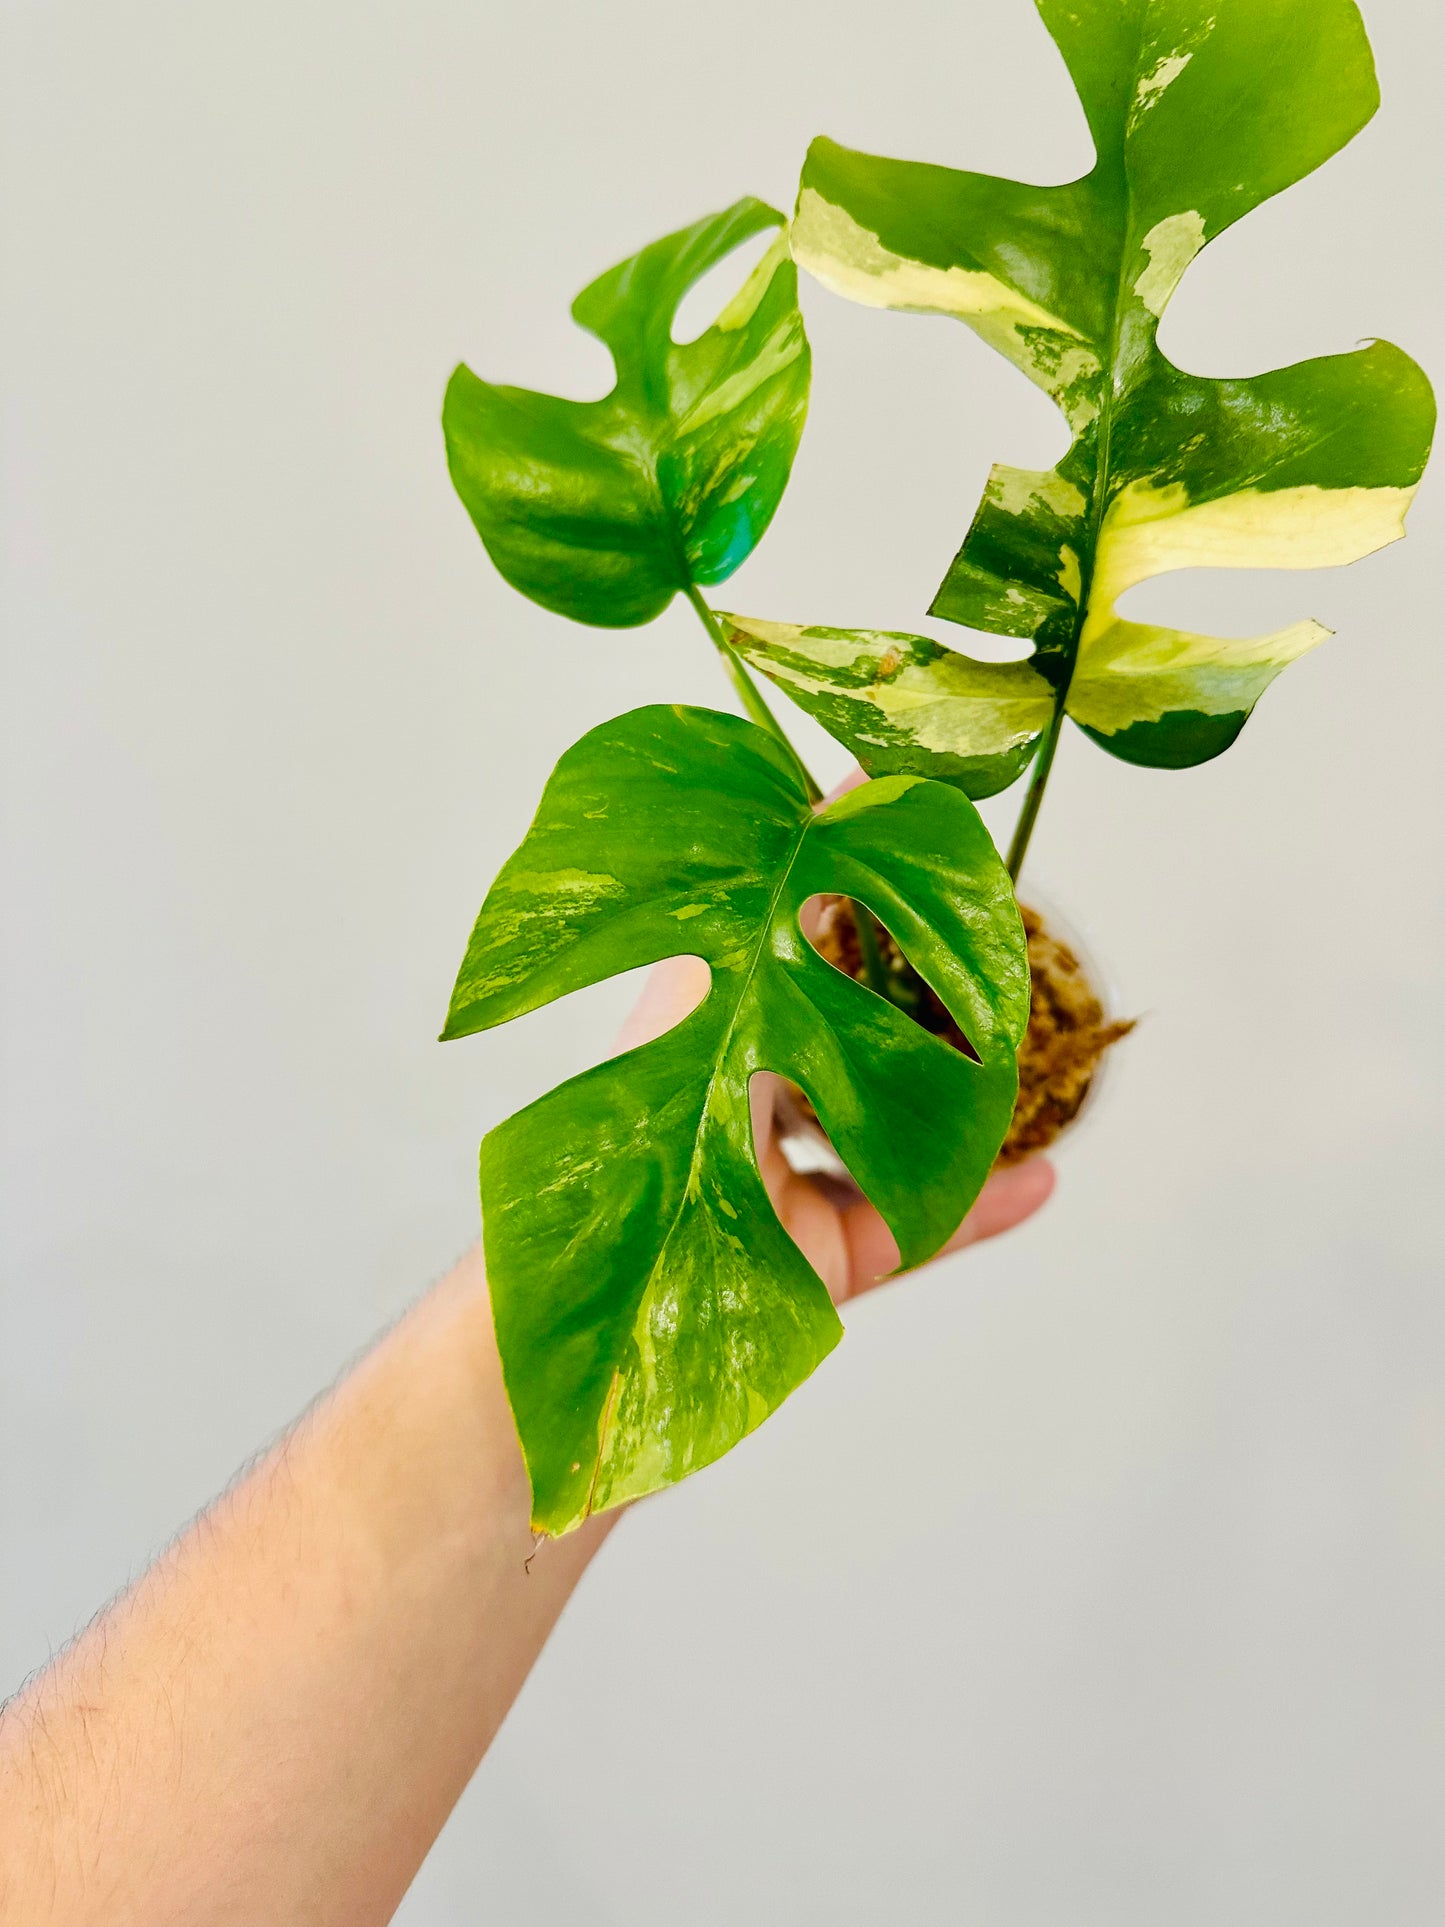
[
  {"x": 604, "y": 510},
  {"x": 650, "y": 1308},
  {"x": 1199, "y": 111},
  {"x": 903, "y": 703}
]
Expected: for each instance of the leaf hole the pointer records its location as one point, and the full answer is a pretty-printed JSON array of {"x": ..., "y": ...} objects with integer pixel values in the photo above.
[
  {"x": 708, "y": 296},
  {"x": 980, "y": 644},
  {"x": 671, "y": 991},
  {"x": 1226, "y": 602},
  {"x": 829, "y": 923}
]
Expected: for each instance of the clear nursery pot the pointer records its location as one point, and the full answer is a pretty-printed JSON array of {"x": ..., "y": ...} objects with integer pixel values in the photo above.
[{"x": 1061, "y": 1060}]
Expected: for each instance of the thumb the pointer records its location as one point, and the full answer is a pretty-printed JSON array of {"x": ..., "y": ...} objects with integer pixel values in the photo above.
[{"x": 673, "y": 990}]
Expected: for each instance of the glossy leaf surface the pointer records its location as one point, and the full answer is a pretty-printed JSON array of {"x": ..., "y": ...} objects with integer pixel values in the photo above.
[
  {"x": 1199, "y": 111},
  {"x": 603, "y": 510},
  {"x": 650, "y": 1309},
  {"x": 904, "y": 704}
]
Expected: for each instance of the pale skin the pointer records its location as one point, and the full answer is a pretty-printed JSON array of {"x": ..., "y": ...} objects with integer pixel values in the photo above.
[{"x": 274, "y": 1722}]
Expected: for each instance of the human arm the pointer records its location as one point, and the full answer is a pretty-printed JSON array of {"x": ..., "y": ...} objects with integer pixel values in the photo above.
[{"x": 273, "y": 1724}]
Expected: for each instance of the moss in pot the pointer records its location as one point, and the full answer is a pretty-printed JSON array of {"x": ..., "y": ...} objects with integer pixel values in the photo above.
[
  {"x": 650, "y": 1310},
  {"x": 1058, "y": 1059}
]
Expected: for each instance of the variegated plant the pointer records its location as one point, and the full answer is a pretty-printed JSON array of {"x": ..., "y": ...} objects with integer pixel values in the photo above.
[
  {"x": 650, "y": 1310},
  {"x": 1199, "y": 111}
]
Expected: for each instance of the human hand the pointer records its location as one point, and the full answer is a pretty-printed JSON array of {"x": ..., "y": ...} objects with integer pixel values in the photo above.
[{"x": 847, "y": 1243}]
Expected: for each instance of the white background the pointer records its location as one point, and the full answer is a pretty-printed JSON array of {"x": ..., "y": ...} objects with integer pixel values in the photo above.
[{"x": 1098, "y": 1578}]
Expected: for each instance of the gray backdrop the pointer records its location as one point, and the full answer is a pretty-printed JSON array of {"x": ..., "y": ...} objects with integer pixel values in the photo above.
[{"x": 1098, "y": 1578}]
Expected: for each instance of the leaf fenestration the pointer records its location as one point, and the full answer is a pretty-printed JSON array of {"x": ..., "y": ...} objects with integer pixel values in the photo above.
[
  {"x": 650, "y": 1309},
  {"x": 1199, "y": 111},
  {"x": 604, "y": 510}
]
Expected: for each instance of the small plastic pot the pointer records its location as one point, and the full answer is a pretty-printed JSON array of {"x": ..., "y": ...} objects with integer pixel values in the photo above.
[{"x": 1069, "y": 976}]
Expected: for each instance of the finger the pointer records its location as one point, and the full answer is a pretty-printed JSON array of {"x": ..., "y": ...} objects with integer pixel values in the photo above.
[
  {"x": 855, "y": 779},
  {"x": 815, "y": 1226},
  {"x": 1006, "y": 1200},
  {"x": 810, "y": 1218},
  {"x": 671, "y": 991},
  {"x": 763, "y": 1090}
]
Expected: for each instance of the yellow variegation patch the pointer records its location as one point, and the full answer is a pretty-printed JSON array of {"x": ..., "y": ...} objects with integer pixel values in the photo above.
[
  {"x": 1148, "y": 531},
  {"x": 899, "y": 689},
  {"x": 967, "y": 708},
  {"x": 1165, "y": 71},
  {"x": 745, "y": 303},
  {"x": 1017, "y": 489},
  {"x": 853, "y": 262},
  {"x": 1128, "y": 673},
  {"x": 1171, "y": 245},
  {"x": 1131, "y": 672}
]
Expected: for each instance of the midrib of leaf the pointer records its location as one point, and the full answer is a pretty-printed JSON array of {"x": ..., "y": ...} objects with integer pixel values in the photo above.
[
  {"x": 1098, "y": 503},
  {"x": 765, "y": 926}
]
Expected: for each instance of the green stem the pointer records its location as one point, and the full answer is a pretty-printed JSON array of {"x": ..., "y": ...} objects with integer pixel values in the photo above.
[
  {"x": 874, "y": 968},
  {"x": 1038, "y": 783},
  {"x": 749, "y": 694},
  {"x": 879, "y": 977},
  {"x": 1098, "y": 497}
]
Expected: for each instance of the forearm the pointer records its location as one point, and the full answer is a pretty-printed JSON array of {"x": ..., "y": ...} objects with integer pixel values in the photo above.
[{"x": 276, "y": 1721}]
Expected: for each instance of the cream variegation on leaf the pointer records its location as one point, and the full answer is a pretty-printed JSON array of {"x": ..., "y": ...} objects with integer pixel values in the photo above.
[{"x": 1199, "y": 111}]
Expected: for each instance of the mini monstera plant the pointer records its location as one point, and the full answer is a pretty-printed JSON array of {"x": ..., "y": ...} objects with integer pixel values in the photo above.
[{"x": 650, "y": 1310}]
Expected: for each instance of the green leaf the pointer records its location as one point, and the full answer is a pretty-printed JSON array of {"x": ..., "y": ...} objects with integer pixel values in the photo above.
[
  {"x": 903, "y": 704},
  {"x": 603, "y": 510},
  {"x": 650, "y": 1309},
  {"x": 1199, "y": 110}
]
